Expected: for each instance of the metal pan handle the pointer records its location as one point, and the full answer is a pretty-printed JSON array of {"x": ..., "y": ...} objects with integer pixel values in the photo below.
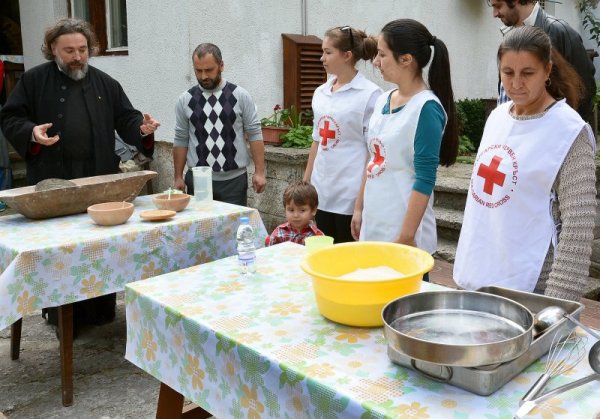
[{"x": 440, "y": 378}]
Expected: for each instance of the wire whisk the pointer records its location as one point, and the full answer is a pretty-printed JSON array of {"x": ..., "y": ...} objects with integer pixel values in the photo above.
[{"x": 564, "y": 354}]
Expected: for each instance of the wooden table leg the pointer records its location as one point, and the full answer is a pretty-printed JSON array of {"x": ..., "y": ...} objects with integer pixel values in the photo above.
[
  {"x": 15, "y": 339},
  {"x": 170, "y": 403},
  {"x": 65, "y": 333},
  {"x": 170, "y": 406}
]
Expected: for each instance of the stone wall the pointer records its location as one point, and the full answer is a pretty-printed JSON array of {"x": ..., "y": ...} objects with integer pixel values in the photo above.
[{"x": 284, "y": 165}]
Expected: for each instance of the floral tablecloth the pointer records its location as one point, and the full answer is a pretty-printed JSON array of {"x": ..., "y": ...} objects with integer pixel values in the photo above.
[
  {"x": 51, "y": 262},
  {"x": 259, "y": 348}
]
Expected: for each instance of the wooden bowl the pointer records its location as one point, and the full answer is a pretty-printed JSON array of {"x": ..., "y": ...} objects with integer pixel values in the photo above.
[
  {"x": 57, "y": 199},
  {"x": 110, "y": 213},
  {"x": 177, "y": 203}
]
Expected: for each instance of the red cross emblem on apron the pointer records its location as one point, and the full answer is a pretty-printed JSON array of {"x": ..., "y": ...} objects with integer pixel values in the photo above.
[
  {"x": 326, "y": 134},
  {"x": 491, "y": 174},
  {"x": 378, "y": 159}
]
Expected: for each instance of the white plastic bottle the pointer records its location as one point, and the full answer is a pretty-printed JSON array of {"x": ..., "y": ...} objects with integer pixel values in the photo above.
[{"x": 245, "y": 247}]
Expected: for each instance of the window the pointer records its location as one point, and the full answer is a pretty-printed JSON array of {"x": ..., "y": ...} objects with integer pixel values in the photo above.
[
  {"x": 303, "y": 71},
  {"x": 109, "y": 20}
]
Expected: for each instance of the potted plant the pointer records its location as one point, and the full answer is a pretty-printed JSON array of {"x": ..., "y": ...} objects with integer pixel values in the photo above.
[
  {"x": 287, "y": 127},
  {"x": 274, "y": 126}
]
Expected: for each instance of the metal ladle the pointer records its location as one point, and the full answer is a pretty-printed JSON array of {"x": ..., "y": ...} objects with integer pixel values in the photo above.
[
  {"x": 545, "y": 318},
  {"x": 551, "y": 315},
  {"x": 593, "y": 358}
]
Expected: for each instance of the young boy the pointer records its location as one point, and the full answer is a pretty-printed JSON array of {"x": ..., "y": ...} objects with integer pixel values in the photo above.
[{"x": 300, "y": 200}]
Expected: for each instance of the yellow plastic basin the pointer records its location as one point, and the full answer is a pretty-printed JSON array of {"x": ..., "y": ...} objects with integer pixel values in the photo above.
[{"x": 356, "y": 302}]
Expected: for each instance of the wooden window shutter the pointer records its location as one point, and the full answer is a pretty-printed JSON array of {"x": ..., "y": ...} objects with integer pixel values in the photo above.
[{"x": 303, "y": 71}]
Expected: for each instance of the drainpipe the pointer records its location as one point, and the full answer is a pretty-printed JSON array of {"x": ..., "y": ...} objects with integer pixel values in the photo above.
[{"x": 303, "y": 16}]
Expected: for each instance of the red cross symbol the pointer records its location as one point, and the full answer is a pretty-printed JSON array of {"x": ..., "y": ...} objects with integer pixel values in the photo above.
[
  {"x": 377, "y": 160},
  {"x": 326, "y": 134},
  {"x": 491, "y": 174}
]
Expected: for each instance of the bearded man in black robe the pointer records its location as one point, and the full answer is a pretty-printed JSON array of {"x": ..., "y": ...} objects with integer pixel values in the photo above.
[{"x": 62, "y": 117}]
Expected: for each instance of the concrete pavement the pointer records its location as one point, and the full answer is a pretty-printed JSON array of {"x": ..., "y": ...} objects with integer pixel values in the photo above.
[{"x": 105, "y": 384}]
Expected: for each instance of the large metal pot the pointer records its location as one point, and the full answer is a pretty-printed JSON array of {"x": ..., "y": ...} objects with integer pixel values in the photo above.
[{"x": 458, "y": 328}]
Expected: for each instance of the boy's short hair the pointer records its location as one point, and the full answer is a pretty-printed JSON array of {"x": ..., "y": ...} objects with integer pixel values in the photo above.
[{"x": 301, "y": 193}]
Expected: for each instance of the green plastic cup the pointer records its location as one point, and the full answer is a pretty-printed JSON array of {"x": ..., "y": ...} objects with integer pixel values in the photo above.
[{"x": 314, "y": 243}]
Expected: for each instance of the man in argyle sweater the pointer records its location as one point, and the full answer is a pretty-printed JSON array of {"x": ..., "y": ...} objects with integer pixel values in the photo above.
[{"x": 213, "y": 118}]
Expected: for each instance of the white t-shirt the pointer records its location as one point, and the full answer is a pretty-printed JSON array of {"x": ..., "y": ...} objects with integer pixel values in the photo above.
[{"x": 341, "y": 121}]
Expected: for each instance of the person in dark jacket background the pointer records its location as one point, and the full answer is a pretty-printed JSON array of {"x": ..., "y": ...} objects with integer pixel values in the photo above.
[
  {"x": 564, "y": 39},
  {"x": 62, "y": 115},
  {"x": 61, "y": 118}
]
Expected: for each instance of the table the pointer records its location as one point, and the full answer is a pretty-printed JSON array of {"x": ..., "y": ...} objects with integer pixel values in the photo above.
[
  {"x": 258, "y": 347},
  {"x": 58, "y": 261}
]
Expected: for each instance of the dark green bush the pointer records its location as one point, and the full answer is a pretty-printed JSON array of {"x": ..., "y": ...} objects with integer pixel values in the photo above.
[
  {"x": 471, "y": 120},
  {"x": 465, "y": 146}
]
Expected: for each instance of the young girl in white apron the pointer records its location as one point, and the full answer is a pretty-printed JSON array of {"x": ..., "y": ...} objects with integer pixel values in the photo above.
[
  {"x": 530, "y": 212},
  {"x": 412, "y": 130},
  {"x": 342, "y": 108}
]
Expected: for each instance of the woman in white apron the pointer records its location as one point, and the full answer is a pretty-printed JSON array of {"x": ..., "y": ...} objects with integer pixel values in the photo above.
[
  {"x": 342, "y": 108},
  {"x": 530, "y": 212},
  {"x": 412, "y": 130}
]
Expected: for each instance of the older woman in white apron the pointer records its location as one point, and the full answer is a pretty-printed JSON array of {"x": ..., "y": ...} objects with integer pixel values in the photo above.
[
  {"x": 342, "y": 108},
  {"x": 412, "y": 130},
  {"x": 530, "y": 212}
]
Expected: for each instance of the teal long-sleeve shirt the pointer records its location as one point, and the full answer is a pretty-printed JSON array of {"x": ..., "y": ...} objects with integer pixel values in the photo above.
[{"x": 428, "y": 140}]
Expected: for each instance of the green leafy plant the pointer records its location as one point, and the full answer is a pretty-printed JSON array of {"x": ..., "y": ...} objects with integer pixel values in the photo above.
[
  {"x": 589, "y": 20},
  {"x": 279, "y": 118},
  {"x": 471, "y": 121},
  {"x": 298, "y": 137},
  {"x": 298, "y": 123},
  {"x": 286, "y": 118},
  {"x": 465, "y": 146}
]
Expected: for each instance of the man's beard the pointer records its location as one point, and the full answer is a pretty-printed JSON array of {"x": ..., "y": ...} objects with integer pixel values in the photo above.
[
  {"x": 211, "y": 84},
  {"x": 75, "y": 74},
  {"x": 511, "y": 18}
]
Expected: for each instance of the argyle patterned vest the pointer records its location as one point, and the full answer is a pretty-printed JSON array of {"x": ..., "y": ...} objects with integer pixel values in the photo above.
[{"x": 213, "y": 117}]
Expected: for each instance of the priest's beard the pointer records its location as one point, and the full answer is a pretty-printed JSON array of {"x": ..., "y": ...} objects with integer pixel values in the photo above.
[{"x": 76, "y": 73}]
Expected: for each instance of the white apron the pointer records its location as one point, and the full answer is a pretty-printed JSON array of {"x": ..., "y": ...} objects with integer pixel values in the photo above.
[
  {"x": 340, "y": 129},
  {"x": 508, "y": 224},
  {"x": 391, "y": 174}
]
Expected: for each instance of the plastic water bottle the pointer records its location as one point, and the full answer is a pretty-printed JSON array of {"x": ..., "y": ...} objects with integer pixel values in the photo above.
[{"x": 245, "y": 248}]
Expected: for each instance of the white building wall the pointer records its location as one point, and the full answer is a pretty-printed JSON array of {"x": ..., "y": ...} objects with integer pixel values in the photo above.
[
  {"x": 466, "y": 26},
  {"x": 163, "y": 34},
  {"x": 36, "y": 16}
]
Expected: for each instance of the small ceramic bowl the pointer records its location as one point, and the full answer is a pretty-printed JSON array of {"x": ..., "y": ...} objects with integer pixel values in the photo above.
[
  {"x": 110, "y": 213},
  {"x": 177, "y": 203}
]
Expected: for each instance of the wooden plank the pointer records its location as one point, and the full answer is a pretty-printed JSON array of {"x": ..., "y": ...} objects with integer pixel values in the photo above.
[
  {"x": 170, "y": 406},
  {"x": 15, "y": 339},
  {"x": 192, "y": 411},
  {"x": 591, "y": 315},
  {"x": 170, "y": 403},
  {"x": 65, "y": 336}
]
